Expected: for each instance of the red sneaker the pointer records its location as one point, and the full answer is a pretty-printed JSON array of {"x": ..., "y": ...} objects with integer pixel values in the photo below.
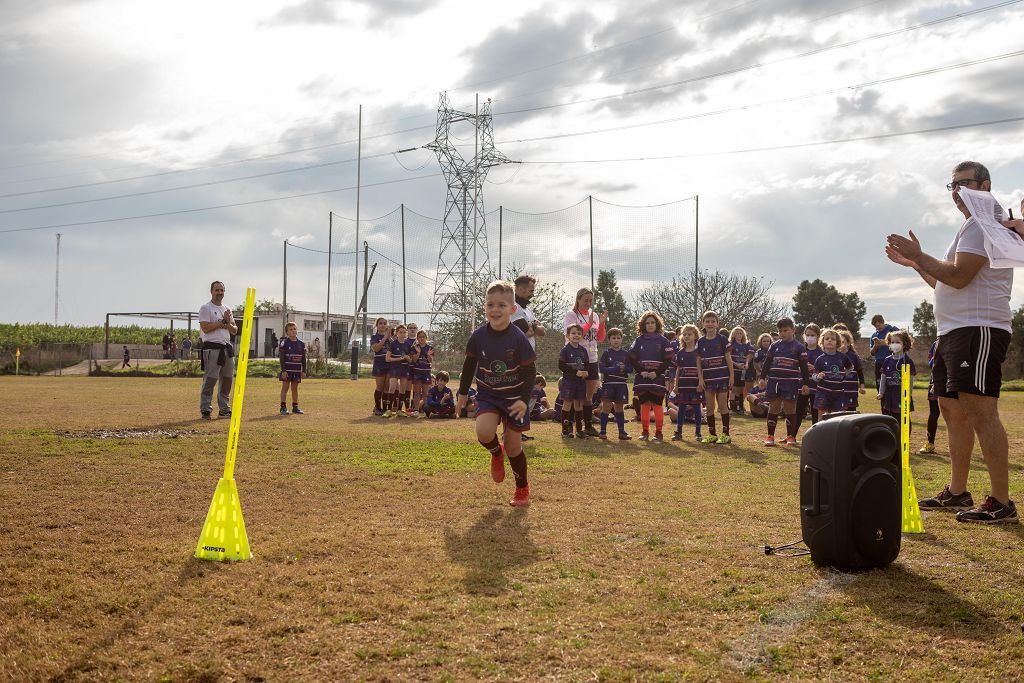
[
  {"x": 770, "y": 441},
  {"x": 521, "y": 497},
  {"x": 790, "y": 440},
  {"x": 498, "y": 466}
]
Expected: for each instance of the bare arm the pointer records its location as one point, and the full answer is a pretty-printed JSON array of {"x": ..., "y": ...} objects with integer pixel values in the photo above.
[{"x": 957, "y": 274}]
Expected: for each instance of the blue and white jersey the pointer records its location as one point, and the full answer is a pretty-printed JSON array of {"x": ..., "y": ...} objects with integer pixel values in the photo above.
[
  {"x": 686, "y": 370},
  {"x": 651, "y": 352},
  {"x": 712, "y": 353},
  {"x": 615, "y": 366},
  {"x": 784, "y": 359},
  {"x": 499, "y": 357},
  {"x": 292, "y": 354},
  {"x": 834, "y": 366}
]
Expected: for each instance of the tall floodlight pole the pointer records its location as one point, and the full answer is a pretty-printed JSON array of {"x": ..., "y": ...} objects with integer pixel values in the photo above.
[
  {"x": 327, "y": 311},
  {"x": 463, "y": 258},
  {"x": 359, "y": 185},
  {"x": 56, "y": 284}
]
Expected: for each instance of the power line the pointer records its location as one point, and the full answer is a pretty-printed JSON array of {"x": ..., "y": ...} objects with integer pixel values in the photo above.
[
  {"x": 758, "y": 65},
  {"x": 321, "y": 251},
  {"x": 794, "y": 98},
  {"x": 388, "y": 258},
  {"x": 818, "y": 143},
  {"x": 219, "y": 206}
]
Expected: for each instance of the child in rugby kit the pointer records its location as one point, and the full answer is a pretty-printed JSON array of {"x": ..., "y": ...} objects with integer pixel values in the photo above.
[
  {"x": 763, "y": 342},
  {"x": 400, "y": 357},
  {"x": 378, "y": 344},
  {"x": 891, "y": 380},
  {"x": 854, "y": 384},
  {"x": 470, "y": 409},
  {"x": 614, "y": 367},
  {"x": 501, "y": 358},
  {"x": 439, "y": 402},
  {"x": 292, "y": 353},
  {"x": 539, "y": 407},
  {"x": 933, "y": 404},
  {"x": 572, "y": 361},
  {"x": 805, "y": 403},
  {"x": 784, "y": 375},
  {"x": 670, "y": 374},
  {"x": 650, "y": 356},
  {"x": 421, "y": 375},
  {"x": 742, "y": 354},
  {"x": 830, "y": 369},
  {"x": 716, "y": 376},
  {"x": 688, "y": 378}
]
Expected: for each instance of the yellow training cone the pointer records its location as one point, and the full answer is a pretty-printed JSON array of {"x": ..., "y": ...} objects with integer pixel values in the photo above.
[
  {"x": 911, "y": 512},
  {"x": 223, "y": 537}
]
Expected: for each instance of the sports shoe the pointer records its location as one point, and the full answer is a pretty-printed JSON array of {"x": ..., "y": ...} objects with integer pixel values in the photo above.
[
  {"x": 724, "y": 438},
  {"x": 398, "y": 413},
  {"x": 284, "y": 410},
  {"x": 603, "y": 436},
  {"x": 791, "y": 441},
  {"x": 387, "y": 413},
  {"x": 623, "y": 436},
  {"x": 566, "y": 435},
  {"x": 710, "y": 438},
  {"x": 645, "y": 436},
  {"x": 414, "y": 413},
  {"x": 410, "y": 413},
  {"x": 945, "y": 500},
  {"x": 590, "y": 431},
  {"x": 498, "y": 465},
  {"x": 581, "y": 434},
  {"x": 990, "y": 512},
  {"x": 378, "y": 412},
  {"x": 526, "y": 437},
  {"x": 927, "y": 448},
  {"x": 769, "y": 441},
  {"x": 205, "y": 415},
  {"x": 658, "y": 436},
  {"x": 521, "y": 497},
  {"x": 297, "y": 411},
  {"x": 224, "y": 413},
  {"x": 678, "y": 436}
]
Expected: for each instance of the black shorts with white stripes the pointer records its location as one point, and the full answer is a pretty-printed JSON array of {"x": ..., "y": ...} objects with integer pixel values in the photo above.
[{"x": 970, "y": 360}]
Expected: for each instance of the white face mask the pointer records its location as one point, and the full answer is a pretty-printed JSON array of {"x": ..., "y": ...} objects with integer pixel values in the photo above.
[
  {"x": 810, "y": 339},
  {"x": 896, "y": 347}
]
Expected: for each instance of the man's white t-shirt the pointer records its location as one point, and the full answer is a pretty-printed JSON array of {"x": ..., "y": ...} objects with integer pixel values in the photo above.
[
  {"x": 524, "y": 313},
  {"x": 212, "y": 313},
  {"x": 985, "y": 301}
]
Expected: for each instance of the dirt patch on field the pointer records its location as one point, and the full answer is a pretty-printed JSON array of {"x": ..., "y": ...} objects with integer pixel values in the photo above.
[{"x": 127, "y": 433}]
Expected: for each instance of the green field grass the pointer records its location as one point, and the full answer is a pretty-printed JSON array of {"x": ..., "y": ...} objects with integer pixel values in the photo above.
[{"x": 383, "y": 551}]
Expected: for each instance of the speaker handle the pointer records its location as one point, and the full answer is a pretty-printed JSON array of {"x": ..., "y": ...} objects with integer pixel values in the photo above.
[{"x": 815, "y": 507}]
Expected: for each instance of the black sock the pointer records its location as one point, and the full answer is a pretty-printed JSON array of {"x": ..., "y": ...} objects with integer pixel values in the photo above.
[
  {"x": 405, "y": 398},
  {"x": 711, "y": 424},
  {"x": 773, "y": 421},
  {"x": 725, "y": 423},
  {"x": 566, "y": 421},
  {"x": 579, "y": 420},
  {"x": 493, "y": 446},
  {"x": 588, "y": 414},
  {"x": 376, "y": 399},
  {"x": 518, "y": 464},
  {"x": 283, "y": 404},
  {"x": 295, "y": 404},
  {"x": 791, "y": 425}
]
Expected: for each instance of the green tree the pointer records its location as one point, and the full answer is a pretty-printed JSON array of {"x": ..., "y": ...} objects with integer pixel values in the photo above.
[
  {"x": 821, "y": 303},
  {"x": 1015, "y": 354},
  {"x": 924, "y": 320},
  {"x": 607, "y": 297}
]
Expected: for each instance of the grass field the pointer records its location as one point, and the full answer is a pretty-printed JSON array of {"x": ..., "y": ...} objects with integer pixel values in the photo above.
[{"x": 383, "y": 551}]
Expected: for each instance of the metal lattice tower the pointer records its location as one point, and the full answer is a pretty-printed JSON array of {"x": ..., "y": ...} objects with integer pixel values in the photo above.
[{"x": 463, "y": 260}]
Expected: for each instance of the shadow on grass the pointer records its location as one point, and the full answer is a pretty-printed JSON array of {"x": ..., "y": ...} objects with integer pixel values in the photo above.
[
  {"x": 84, "y": 666},
  {"x": 916, "y": 602},
  {"x": 498, "y": 541}
]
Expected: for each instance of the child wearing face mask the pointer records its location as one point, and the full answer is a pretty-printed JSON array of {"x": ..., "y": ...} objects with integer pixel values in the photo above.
[
  {"x": 890, "y": 381},
  {"x": 803, "y": 403}
]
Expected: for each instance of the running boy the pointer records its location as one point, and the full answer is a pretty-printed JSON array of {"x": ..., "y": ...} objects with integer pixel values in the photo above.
[
  {"x": 784, "y": 375},
  {"x": 650, "y": 356},
  {"x": 614, "y": 367},
  {"x": 572, "y": 361},
  {"x": 292, "y": 352},
  {"x": 688, "y": 378},
  {"x": 499, "y": 355},
  {"x": 713, "y": 354}
]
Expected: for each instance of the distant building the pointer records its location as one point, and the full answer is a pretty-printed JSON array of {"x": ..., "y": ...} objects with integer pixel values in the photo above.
[{"x": 311, "y": 326}]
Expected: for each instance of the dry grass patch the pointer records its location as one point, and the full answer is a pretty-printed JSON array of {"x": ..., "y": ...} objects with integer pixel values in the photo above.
[{"x": 383, "y": 551}]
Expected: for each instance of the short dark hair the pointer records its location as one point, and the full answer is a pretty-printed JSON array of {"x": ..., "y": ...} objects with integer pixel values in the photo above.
[
  {"x": 877, "y": 318},
  {"x": 524, "y": 280},
  {"x": 785, "y": 322},
  {"x": 215, "y": 283},
  {"x": 981, "y": 173},
  {"x": 441, "y": 376}
]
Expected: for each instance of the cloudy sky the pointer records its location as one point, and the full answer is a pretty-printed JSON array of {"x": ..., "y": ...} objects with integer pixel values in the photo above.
[{"x": 809, "y": 129}]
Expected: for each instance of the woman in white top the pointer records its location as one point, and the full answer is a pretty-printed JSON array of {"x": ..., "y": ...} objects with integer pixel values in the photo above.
[{"x": 594, "y": 327}]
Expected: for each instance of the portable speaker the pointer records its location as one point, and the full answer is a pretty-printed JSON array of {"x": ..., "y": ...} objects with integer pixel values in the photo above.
[{"x": 850, "y": 487}]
